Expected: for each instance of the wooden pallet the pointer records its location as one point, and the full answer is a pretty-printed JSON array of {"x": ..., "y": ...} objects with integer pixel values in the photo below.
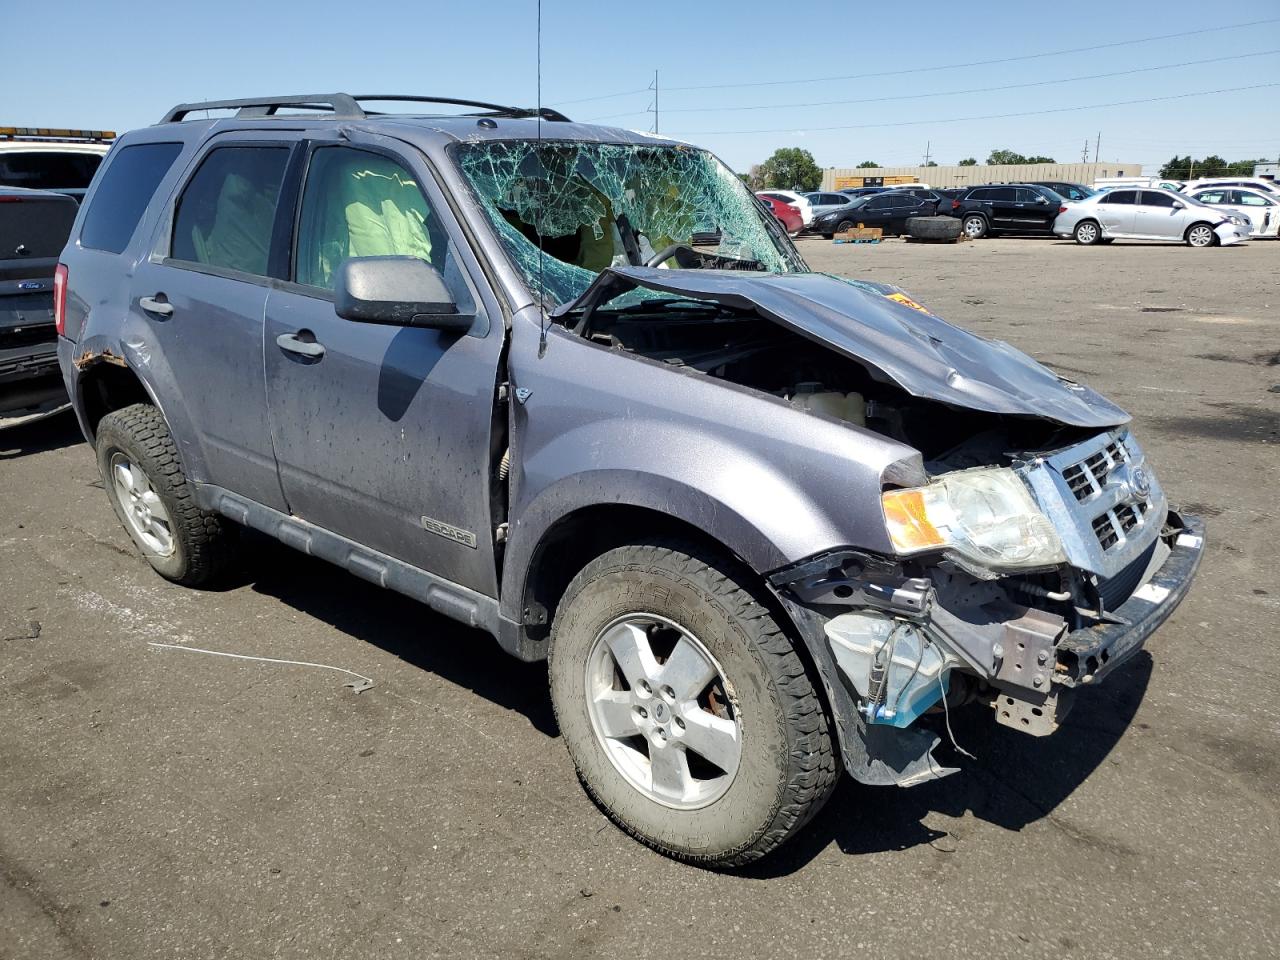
[{"x": 860, "y": 234}]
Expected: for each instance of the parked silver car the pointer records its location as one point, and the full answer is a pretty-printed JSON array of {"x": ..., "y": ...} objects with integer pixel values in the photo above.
[
  {"x": 824, "y": 202},
  {"x": 1148, "y": 215}
]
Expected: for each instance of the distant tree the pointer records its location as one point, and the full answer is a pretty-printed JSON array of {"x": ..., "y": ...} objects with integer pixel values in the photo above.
[
  {"x": 868, "y": 165},
  {"x": 791, "y": 168},
  {"x": 754, "y": 177},
  {"x": 1187, "y": 168},
  {"x": 968, "y": 162},
  {"x": 931, "y": 164},
  {"x": 1002, "y": 157}
]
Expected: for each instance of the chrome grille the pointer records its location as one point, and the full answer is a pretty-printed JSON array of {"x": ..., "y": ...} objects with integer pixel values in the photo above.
[
  {"x": 1086, "y": 478},
  {"x": 1102, "y": 499}
]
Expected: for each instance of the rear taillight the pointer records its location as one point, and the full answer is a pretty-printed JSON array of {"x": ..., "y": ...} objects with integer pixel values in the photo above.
[
  {"x": 60, "y": 299},
  {"x": 1062, "y": 209},
  {"x": 955, "y": 204}
]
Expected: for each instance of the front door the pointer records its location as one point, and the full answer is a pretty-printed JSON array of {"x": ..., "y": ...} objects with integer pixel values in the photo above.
[
  {"x": 1156, "y": 215},
  {"x": 383, "y": 433},
  {"x": 1035, "y": 212},
  {"x": 203, "y": 294}
]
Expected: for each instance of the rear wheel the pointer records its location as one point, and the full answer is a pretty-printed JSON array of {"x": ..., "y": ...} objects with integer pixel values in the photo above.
[
  {"x": 975, "y": 226},
  {"x": 1088, "y": 232},
  {"x": 150, "y": 494},
  {"x": 1200, "y": 235},
  {"x": 689, "y": 715}
]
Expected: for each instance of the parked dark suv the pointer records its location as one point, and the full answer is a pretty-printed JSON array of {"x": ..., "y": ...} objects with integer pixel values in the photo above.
[
  {"x": 1006, "y": 208},
  {"x": 34, "y": 225},
  {"x": 573, "y": 386}
]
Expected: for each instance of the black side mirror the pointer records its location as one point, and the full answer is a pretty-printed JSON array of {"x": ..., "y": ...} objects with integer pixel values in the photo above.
[{"x": 399, "y": 291}]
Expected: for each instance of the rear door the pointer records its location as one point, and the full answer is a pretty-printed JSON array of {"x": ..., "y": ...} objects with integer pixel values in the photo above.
[
  {"x": 1002, "y": 203},
  {"x": 1115, "y": 212},
  {"x": 1155, "y": 215},
  {"x": 203, "y": 292},
  {"x": 384, "y": 433}
]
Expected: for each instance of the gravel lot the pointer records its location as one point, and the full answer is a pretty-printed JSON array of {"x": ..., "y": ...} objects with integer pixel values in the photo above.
[{"x": 161, "y": 803}]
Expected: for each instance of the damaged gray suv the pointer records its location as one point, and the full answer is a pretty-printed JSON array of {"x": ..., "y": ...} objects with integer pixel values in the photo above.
[{"x": 574, "y": 386}]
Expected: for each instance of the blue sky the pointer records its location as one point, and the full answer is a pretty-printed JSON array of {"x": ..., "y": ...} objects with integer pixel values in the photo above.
[{"x": 120, "y": 65}]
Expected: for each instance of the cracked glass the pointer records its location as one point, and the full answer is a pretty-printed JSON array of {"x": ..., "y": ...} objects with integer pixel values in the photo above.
[{"x": 590, "y": 206}]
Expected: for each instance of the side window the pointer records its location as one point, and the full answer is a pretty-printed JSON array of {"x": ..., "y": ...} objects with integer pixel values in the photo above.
[
  {"x": 1002, "y": 194},
  {"x": 1248, "y": 199},
  {"x": 1120, "y": 196},
  {"x": 123, "y": 194},
  {"x": 879, "y": 203},
  {"x": 226, "y": 211},
  {"x": 1212, "y": 196},
  {"x": 361, "y": 204},
  {"x": 979, "y": 195},
  {"x": 1027, "y": 195},
  {"x": 1157, "y": 198}
]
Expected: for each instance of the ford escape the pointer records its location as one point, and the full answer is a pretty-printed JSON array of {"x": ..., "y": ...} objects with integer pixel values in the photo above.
[{"x": 574, "y": 386}]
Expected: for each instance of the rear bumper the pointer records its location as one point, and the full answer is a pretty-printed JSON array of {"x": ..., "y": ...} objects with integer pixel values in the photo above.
[{"x": 1086, "y": 656}]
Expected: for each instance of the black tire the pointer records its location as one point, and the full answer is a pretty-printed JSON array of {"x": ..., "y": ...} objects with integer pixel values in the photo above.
[
  {"x": 1087, "y": 233},
  {"x": 828, "y": 236},
  {"x": 843, "y": 226},
  {"x": 1198, "y": 227},
  {"x": 788, "y": 766},
  {"x": 201, "y": 540},
  {"x": 933, "y": 228},
  {"x": 975, "y": 226}
]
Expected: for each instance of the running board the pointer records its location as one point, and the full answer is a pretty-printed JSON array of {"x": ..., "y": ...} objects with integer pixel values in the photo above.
[{"x": 443, "y": 596}]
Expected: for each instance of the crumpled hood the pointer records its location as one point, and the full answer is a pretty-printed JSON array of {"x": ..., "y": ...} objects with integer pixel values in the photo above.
[{"x": 895, "y": 339}]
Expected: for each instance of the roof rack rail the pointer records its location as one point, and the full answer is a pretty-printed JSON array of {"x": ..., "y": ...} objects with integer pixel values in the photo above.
[{"x": 344, "y": 106}]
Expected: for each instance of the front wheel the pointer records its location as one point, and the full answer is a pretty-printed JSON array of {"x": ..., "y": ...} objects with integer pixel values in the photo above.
[
  {"x": 1201, "y": 235},
  {"x": 692, "y": 720},
  {"x": 975, "y": 226},
  {"x": 844, "y": 226},
  {"x": 1088, "y": 233}
]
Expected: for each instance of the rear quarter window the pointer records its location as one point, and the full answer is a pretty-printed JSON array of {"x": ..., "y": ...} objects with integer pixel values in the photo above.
[{"x": 123, "y": 194}]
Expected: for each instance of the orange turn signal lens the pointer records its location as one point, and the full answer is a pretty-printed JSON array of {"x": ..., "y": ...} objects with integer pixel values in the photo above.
[{"x": 908, "y": 524}]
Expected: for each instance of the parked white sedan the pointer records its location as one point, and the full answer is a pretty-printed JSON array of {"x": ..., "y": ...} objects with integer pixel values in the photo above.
[
  {"x": 1262, "y": 209},
  {"x": 1148, "y": 215}
]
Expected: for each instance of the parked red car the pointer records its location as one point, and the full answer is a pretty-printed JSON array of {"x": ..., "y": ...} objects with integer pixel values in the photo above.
[{"x": 786, "y": 213}]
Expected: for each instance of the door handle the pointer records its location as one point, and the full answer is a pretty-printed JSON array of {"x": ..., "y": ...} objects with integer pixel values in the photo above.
[
  {"x": 159, "y": 305},
  {"x": 304, "y": 348}
]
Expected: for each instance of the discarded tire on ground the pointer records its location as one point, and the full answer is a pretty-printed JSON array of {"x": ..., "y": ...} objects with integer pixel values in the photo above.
[{"x": 933, "y": 228}]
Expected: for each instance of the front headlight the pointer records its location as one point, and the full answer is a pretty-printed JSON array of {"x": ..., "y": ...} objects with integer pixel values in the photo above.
[{"x": 985, "y": 515}]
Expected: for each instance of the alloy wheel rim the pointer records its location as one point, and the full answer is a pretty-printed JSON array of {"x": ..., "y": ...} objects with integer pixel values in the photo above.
[
  {"x": 660, "y": 708},
  {"x": 1201, "y": 236},
  {"x": 973, "y": 227},
  {"x": 1088, "y": 233},
  {"x": 142, "y": 507}
]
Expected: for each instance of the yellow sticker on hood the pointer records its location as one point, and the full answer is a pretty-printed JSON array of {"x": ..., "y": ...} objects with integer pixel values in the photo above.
[{"x": 906, "y": 301}]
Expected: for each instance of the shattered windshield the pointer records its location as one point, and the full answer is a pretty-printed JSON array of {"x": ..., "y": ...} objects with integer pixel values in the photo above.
[{"x": 592, "y": 205}]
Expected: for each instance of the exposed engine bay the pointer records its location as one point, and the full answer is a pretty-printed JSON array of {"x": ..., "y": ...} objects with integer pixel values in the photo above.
[{"x": 755, "y": 352}]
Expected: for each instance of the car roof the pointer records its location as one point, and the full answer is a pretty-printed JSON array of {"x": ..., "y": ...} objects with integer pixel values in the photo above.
[{"x": 428, "y": 128}]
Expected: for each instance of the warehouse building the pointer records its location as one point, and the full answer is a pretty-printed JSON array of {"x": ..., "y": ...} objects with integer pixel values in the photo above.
[{"x": 838, "y": 178}]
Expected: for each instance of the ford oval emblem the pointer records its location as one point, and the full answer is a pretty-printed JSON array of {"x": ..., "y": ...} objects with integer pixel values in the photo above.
[{"x": 1141, "y": 482}]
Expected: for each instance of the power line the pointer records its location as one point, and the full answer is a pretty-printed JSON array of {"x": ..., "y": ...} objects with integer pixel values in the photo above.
[
  {"x": 606, "y": 96},
  {"x": 981, "y": 63},
  {"x": 953, "y": 93},
  {"x": 988, "y": 116}
]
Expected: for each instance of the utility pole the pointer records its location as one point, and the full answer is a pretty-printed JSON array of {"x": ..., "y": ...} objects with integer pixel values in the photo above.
[
  {"x": 1084, "y": 154},
  {"x": 1097, "y": 147},
  {"x": 927, "y": 145},
  {"x": 654, "y": 88}
]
